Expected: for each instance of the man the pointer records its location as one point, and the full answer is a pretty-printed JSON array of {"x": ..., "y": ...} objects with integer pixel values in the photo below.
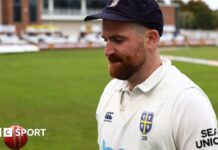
[{"x": 150, "y": 104}]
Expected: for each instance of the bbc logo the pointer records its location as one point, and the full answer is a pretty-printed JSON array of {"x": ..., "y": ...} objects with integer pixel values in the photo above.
[{"x": 7, "y": 132}]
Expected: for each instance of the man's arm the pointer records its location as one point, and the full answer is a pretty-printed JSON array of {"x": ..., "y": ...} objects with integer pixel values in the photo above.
[{"x": 194, "y": 123}]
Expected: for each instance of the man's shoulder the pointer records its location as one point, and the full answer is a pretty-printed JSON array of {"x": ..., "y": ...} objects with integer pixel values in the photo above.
[
  {"x": 176, "y": 84},
  {"x": 180, "y": 87},
  {"x": 175, "y": 79}
]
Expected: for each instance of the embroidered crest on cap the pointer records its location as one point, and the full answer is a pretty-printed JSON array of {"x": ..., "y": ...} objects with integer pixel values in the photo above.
[{"x": 114, "y": 3}]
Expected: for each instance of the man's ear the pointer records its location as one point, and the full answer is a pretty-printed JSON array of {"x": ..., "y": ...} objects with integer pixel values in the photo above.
[{"x": 151, "y": 39}]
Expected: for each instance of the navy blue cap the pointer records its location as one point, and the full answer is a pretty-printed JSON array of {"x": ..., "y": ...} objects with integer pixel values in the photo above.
[{"x": 146, "y": 12}]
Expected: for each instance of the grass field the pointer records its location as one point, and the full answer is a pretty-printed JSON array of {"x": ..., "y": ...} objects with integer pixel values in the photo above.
[{"x": 59, "y": 91}]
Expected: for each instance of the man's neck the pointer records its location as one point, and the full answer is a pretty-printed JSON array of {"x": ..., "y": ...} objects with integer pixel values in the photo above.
[{"x": 143, "y": 73}]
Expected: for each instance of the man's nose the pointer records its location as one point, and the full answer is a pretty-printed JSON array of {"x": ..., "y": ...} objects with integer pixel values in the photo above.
[{"x": 109, "y": 49}]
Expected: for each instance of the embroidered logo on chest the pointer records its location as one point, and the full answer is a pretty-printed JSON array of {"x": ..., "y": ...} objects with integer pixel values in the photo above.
[
  {"x": 146, "y": 124},
  {"x": 108, "y": 117}
]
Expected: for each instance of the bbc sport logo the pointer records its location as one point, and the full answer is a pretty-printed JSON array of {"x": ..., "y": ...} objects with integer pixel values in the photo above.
[
  {"x": 15, "y": 137},
  {"x": 8, "y": 132}
]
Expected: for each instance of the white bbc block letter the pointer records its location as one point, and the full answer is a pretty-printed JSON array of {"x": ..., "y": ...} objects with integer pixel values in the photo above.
[{"x": 7, "y": 132}]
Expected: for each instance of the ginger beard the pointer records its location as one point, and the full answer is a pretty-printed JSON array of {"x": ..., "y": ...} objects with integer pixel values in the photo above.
[{"x": 123, "y": 66}]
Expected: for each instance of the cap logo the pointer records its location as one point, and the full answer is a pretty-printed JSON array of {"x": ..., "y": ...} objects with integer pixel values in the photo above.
[{"x": 114, "y": 3}]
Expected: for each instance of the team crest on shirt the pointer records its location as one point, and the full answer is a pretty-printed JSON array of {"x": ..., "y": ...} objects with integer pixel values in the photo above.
[{"x": 146, "y": 124}]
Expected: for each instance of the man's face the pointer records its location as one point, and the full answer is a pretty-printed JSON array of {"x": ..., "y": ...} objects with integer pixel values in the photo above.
[{"x": 124, "y": 48}]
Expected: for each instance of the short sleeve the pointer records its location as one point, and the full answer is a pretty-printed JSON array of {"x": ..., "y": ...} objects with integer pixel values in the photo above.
[{"x": 194, "y": 123}]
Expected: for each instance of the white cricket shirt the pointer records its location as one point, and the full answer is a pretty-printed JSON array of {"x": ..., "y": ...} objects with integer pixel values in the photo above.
[{"x": 165, "y": 112}]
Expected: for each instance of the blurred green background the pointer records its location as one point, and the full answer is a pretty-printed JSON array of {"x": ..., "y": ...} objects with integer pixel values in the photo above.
[{"x": 59, "y": 91}]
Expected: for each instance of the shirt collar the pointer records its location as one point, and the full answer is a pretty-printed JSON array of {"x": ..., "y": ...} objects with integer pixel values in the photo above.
[{"x": 151, "y": 81}]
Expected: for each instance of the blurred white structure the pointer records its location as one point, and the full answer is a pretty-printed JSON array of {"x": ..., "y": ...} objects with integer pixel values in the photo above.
[
  {"x": 190, "y": 38},
  {"x": 44, "y": 34},
  {"x": 90, "y": 34},
  {"x": 10, "y": 42},
  {"x": 69, "y": 15},
  {"x": 201, "y": 37},
  {"x": 51, "y": 37}
]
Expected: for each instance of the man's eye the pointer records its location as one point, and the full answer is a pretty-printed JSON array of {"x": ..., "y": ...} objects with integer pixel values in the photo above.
[
  {"x": 104, "y": 39},
  {"x": 118, "y": 40}
]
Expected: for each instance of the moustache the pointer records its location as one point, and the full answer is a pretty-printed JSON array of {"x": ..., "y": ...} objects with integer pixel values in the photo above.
[{"x": 115, "y": 58}]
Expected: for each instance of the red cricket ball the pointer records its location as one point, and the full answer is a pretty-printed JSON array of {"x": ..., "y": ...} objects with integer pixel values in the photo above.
[{"x": 17, "y": 137}]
